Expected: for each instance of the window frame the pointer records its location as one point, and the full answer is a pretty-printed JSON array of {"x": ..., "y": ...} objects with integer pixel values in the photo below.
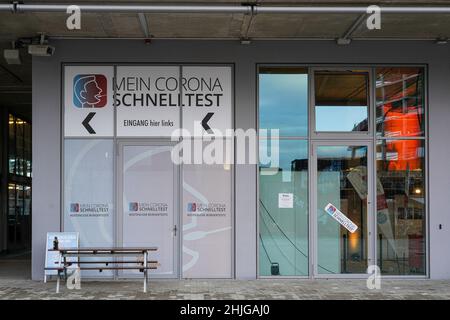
[
  {"x": 339, "y": 136},
  {"x": 332, "y": 135}
]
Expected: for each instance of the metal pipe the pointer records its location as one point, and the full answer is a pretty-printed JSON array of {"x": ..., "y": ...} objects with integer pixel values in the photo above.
[
  {"x": 235, "y": 38},
  {"x": 136, "y": 8},
  {"x": 349, "y": 10},
  {"x": 6, "y": 7},
  {"x": 195, "y": 8}
]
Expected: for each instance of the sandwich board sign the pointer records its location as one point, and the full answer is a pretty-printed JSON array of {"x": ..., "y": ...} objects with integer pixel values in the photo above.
[{"x": 52, "y": 258}]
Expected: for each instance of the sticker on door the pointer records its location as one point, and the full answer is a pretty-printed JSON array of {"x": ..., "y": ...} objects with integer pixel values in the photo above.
[{"x": 340, "y": 217}]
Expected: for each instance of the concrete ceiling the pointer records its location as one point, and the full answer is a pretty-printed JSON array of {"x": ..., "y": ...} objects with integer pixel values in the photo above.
[
  {"x": 231, "y": 26},
  {"x": 15, "y": 81}
]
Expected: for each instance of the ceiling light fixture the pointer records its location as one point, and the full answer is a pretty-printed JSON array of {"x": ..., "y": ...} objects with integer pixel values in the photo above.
[{"x": 12, "y": 56}]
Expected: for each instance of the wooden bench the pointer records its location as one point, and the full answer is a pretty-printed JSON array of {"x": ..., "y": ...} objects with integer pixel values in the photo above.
[{"x": 141, "y": 263}]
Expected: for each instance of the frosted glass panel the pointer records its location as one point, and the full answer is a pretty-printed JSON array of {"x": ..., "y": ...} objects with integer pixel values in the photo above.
[
  {"x": 88, "y": 193},
  {"x": 207, "y": 221},
  {"x": 148, "y": 203}
]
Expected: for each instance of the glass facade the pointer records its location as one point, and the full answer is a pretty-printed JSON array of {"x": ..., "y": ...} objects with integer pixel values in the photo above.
[
  {"x": 400, "y": 164},
  {"x": 19, "y": 184},
  {"x": 342, "y": 171},
  {"x": 284, "y": 231},
  {"x": 122, "y": 184},
  {"x": 400, "y": 102},
  {"x": 342, "y": 181},
  {"x": 341, "y": 101},
  {"x": 19, "y": 147},
  {"x": 88, "y": 193},
  {"x": 283, "y": 100},
  {"x": 283, "y": 228},
  {"x": 207, "y": 218}
]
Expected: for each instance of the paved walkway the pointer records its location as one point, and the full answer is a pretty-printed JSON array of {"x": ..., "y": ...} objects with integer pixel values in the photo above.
[{"x": 229, "y": 289}]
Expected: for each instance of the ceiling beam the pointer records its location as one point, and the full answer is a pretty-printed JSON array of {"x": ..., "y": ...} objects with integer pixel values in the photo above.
[
  {"x": 12, "y": 74},
  {"x": 144, "y": 24},
  {"x": 355, "y": 25}
]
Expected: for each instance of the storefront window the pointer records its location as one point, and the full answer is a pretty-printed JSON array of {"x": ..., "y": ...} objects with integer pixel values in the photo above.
[
  {"x": 283, "y": 212},
  {"x": 401, "y": 206},
  {"x": 283, "y": 184},
  {"x": 400, "y": 102},
  {"x": 401, "y": 215},
  {"x": 341, "y": 101},
  {"x": 283, "y": 100},
  {"x": 341, "y": 173}
]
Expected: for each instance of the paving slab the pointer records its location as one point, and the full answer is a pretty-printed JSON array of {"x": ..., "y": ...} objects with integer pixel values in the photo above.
[{"x": 284, "y": 289}]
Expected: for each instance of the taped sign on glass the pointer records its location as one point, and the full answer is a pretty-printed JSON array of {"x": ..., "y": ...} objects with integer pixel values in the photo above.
[
  {"x": 285, "y": 200},
  {"x": 341, "y": 218}
]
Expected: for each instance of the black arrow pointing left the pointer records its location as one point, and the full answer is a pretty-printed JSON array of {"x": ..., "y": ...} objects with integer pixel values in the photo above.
[
  {"x": 86, "y": 124},
  {"x": 205, "y": 124}
]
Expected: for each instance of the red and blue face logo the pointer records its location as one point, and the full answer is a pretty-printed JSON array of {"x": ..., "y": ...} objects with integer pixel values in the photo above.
[
  {"x": 89, "y": 91},
  {"x": 74, "y": 207},
  {"x": 192, "y": 207},
  {"x": 133, "y": 206}
]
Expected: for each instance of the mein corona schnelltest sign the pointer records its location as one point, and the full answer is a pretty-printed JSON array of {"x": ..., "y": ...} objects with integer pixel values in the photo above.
[{"x": 146, "y": 101}]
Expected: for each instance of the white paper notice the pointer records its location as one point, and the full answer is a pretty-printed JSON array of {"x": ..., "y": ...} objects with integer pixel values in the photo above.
[
  {"x": 341, "y": 218},
  {"x": 286, "y": 200}
]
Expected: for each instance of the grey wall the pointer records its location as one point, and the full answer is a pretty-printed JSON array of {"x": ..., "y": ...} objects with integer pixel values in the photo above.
[{"x": 47, "y": 112}]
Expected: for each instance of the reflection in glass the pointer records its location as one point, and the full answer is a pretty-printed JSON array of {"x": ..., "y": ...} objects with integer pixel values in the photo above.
[
  {"x": 12, "y": 144},
  {"x": 19, "y": 184},
  {"x": 283, "y": 210},
  {"x": 400, "y": 102},
  {"x": 342, "y": 182},
  {"x": 401, "y": 207},
  {"x": 341, "y": 101},
  {"x": 283, "y": 100}
]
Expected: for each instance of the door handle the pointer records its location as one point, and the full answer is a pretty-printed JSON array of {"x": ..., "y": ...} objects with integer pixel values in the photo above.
[{"x": 174, "y": 231}]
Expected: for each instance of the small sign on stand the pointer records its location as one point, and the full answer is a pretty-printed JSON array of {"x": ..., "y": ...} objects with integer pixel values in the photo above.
[{"x": 56, "y": 240}]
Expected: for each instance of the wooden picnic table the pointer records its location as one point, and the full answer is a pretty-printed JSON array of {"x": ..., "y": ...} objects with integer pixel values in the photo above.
[{"x": 141, "y": 263}]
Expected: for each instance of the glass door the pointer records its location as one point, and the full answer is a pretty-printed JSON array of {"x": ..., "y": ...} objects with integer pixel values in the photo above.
[
  {"x": 342, "y": 226},
  {"x": 148, "y": 199}
]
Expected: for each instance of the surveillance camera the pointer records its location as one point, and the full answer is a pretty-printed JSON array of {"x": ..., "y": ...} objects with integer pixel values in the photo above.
[{"x": 41, "y": 50}]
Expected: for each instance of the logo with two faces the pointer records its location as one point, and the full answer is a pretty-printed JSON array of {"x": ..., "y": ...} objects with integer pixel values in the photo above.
[
  {"x": 89, "y": 91},
  {"x": 133, "y": 206},
  {"x": 191, "y": 207},
  {"x": 74, "y": 207}
]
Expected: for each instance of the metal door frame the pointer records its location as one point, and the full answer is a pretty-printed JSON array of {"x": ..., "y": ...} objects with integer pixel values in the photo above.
[
  {"x": 121, "y": 143},
  {"x": 370, "y": 218}
]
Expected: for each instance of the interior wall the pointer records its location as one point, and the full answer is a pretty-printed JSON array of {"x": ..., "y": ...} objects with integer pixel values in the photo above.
[{"x": 47, "y": 121}]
